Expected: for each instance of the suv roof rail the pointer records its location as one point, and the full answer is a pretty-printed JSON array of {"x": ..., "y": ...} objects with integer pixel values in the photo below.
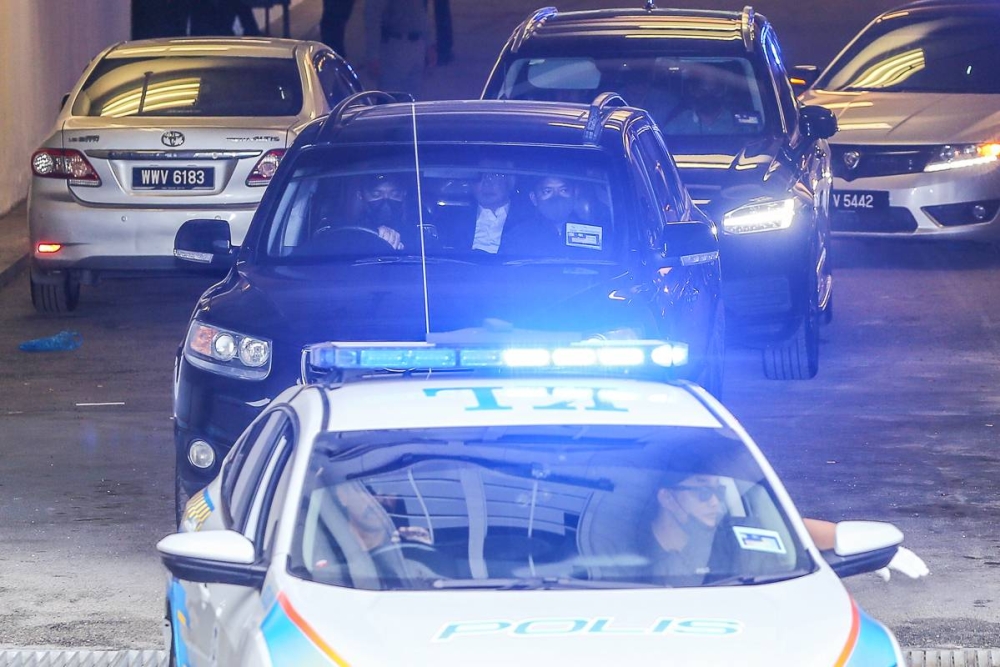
[
  {"x": 533, "y": 23},
  {"x": 602, "y": 103},
  {"x": 650, "y": 5},
  {"x": 748, "y": 28},
  {"x": 367, "y": 98}
]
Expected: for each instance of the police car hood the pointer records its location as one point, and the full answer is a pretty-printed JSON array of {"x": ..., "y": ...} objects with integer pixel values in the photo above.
[
  {"x": 910, "y": 118},
  {"x": 725, "y": 172},
  {"x": 771, "y": 624},
  {"x": 385, "y": 301}
]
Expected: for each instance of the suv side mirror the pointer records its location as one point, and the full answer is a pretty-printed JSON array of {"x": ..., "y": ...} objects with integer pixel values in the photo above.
[
  {"x": 802, "y": 77},
  {"x": 205, "y": 242},
  {"x": 862, "y": 546},
  {"x": 689, "y": 243},
  {"x": 817, "y": 122}
]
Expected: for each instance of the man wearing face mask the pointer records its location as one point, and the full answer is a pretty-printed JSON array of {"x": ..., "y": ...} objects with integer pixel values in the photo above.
[
  {"x": 544, "y": 232},
  {"x": 382, "y": 207}
]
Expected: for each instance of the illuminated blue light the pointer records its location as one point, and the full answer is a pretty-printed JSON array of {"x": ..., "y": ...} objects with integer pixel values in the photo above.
[
  {"x": 621, "y": 356},
  {"x": 670, "y": 355},
  {"x": 481, "y": 358},
  {"x": 574, "y": 356},
  {"x": 522, "y": 358},
  {"x": 407, "y": 358}
]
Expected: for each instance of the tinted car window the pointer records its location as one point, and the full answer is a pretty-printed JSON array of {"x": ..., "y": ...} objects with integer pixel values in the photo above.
[
  {"x": 668, "y": 87},
  {"x": 324, "y": 198},
  {"x": 242, "y": 477},
  {"x": 191, "y": 86},
  {"x": 336, "y": 85},
  {"x": 921, "y": 53},
  {"x": 461, "y": 507}
]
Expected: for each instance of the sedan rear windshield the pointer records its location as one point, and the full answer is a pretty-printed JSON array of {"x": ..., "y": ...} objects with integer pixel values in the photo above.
[
  {"x": 539, "y": 507},
  {"x": 191, "y": 86},
  {"x": 921, "y": 53}
]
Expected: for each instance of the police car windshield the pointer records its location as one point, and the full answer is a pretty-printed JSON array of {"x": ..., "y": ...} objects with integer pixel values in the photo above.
[
  {"x": 472, "y": 202},
  {"x": 540, "y": 507},
  {"x": 685, "y": 95}
]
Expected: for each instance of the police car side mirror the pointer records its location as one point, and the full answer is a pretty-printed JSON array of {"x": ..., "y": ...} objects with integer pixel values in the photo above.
[
  {"x": 688, "y": 243},
  {"x": 862, "y": 546},
  {"x": 817, "y": 122},
  {"x": 205, "y": 242},
  {"x": 803, "y": 76},
  {"x": 212, "y": 557}
]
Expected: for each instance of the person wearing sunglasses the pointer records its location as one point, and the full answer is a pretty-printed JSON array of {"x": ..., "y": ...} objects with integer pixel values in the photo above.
[{"x": 691, "y": 521}]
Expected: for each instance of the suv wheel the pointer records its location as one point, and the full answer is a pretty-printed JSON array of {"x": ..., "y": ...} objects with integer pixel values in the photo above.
[
  {"x": 54, "y": 293},
  {"x": 796, "y": 358}
]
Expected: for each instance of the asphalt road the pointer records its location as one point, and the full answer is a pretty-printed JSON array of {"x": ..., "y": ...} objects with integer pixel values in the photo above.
[{"x": 900, "y": 425}]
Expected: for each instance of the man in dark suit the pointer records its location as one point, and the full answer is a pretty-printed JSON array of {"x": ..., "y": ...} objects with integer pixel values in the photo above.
[{"x": 480, "y": 227}]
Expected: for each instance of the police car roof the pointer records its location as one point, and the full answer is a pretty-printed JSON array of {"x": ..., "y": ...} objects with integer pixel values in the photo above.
[
  {"x": 391, "y": 403},
  {"x": 477, "y": 121},
  {"x": 592, "y": 28}
]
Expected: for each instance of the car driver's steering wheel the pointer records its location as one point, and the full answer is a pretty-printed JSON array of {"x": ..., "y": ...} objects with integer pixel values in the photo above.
[{"x": 356, "y": 238}]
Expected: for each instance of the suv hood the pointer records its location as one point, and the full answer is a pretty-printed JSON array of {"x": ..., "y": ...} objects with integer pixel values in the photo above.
[
  {"x": 910, "y": 118},
  {"x": 638, "y": 627},
  {"x": 723, "y": 173},
  {"x": 384, "y": 301}
]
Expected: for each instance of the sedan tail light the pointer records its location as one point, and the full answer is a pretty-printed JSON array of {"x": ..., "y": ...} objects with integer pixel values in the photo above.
[
  {"x": 265, "y": 168},
  {"x": 68, "y": 164}
]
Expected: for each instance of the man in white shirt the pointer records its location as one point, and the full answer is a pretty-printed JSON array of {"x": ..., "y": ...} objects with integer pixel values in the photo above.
[{"x": 492, "y": 193}]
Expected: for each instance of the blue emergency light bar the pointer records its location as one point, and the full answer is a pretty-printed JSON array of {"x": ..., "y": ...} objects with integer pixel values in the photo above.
[{"x": 599, "y": 354}]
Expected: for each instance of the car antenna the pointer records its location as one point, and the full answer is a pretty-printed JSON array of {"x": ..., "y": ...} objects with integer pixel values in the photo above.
[{"x": 420, "y": 223}]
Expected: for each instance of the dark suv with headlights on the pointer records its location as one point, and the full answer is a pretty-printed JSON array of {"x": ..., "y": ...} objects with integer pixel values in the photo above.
[
  {"x": 373, "y": 230},
  {"x": 753, "y": 159}
]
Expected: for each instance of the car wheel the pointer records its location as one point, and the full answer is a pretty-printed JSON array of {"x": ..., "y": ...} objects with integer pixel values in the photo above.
[
  {"x": 713, "y": 374},
  {"x": 54, "y": 293},
  {"x": 796, "y": 358}
]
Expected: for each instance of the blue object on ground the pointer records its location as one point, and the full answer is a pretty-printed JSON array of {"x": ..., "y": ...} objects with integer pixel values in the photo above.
[{"x": 64, "y": 340}]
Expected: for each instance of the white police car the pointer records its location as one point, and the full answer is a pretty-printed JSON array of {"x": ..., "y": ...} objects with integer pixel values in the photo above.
[{"x": 505, "y": 508}]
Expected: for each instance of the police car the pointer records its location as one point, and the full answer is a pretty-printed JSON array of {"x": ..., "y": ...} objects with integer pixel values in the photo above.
[{"x": 505, "y": 504}]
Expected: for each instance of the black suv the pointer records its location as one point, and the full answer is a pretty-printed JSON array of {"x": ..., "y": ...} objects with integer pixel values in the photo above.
[
  {"x": 754, "y": 159},
  {"x": 373, "y": 229}
]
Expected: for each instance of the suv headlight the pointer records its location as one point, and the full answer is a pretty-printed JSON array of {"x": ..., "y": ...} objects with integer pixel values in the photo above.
[
  {"x": 761, "y": 217},
  {"x": 963, "y": 155},
  {"x": 227, "y": 352}
]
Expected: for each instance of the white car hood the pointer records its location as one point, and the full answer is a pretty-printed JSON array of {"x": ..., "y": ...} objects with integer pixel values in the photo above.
[
  {"x": 910, "y": 118},
  {"x": 805, "y": 621}
]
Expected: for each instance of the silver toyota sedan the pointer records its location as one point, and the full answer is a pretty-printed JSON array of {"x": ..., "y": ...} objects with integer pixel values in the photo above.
[
  {"x": 157, "y": 132},
  {"x": 917, "y": 99}
]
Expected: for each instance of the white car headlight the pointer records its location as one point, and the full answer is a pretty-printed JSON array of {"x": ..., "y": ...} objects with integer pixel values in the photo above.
[
  {"x": 227, "y": 352},
  {"x": 761, "y": 217},
  {"x": 963, "y": 155}
]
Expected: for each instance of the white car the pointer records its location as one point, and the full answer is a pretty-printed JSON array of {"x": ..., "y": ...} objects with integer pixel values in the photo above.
[
  {"x": 480, "y": 517},
  {"x": 917, "y": 100},
  {"x": 157, "y": 132}
]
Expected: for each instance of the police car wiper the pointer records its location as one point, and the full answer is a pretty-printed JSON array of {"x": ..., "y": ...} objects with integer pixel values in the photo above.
[
  {"x": 535, "y": 583},
  {"x": 753, "y": 580}
]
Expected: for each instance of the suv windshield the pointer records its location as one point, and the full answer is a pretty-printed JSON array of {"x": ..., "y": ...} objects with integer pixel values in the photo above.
[
  {"x": 191, "y": 86},
  {"x": 684, "y": 95},
  {"x": 917, "y": 52},
  {"x": 544, "y": 203},
  {"x": 517, "y": 507}
]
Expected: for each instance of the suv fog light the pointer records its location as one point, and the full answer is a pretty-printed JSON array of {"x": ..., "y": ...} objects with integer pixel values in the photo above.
[{"x": 201, "y": 455}]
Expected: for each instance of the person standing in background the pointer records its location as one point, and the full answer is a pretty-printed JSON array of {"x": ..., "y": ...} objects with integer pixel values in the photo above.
[
  {"x": 333, "y": 24},
  {"x": 398, "y": 44}
]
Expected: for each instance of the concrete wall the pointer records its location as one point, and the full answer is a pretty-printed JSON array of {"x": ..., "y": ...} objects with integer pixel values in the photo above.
[{"x": 44, "y": 46}]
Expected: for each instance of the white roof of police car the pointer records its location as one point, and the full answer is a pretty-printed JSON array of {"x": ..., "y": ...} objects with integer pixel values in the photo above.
[{"x": 428, "y": 403}]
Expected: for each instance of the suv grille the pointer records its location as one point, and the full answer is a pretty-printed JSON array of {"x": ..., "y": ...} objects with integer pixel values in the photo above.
[{"x": 851, "y": 162}]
